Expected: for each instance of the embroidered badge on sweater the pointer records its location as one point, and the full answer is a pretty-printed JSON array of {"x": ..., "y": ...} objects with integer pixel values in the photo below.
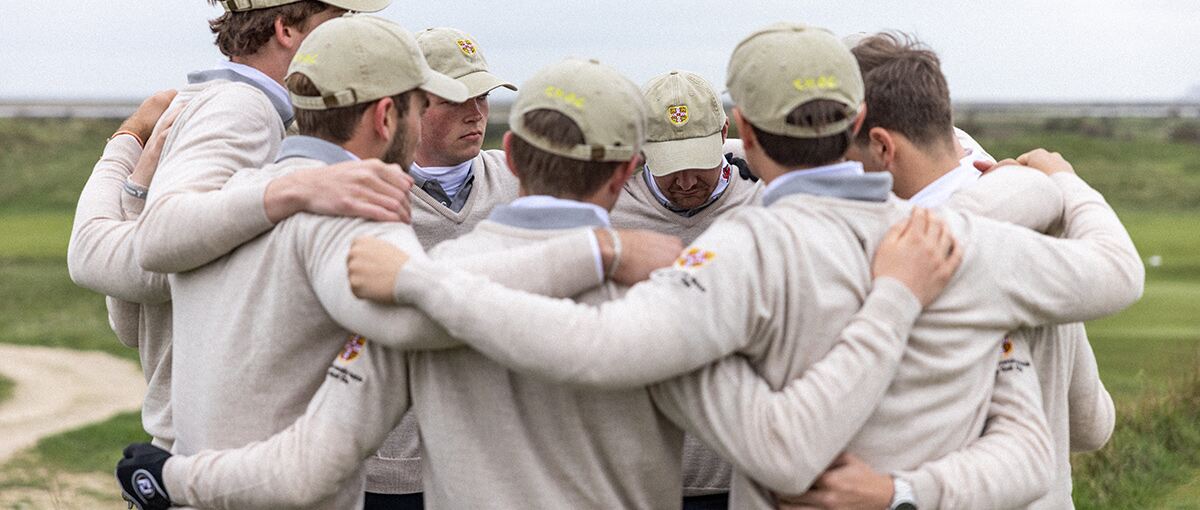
[
  {"x": 693, "y": 259},
  {"x": 351, "y": 351}
]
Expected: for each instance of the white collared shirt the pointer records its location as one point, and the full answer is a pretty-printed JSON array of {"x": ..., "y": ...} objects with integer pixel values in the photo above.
[
  {"x": 266, "y": 83},
  {"x": 843, "y": 168},
  {"x": 549, "y": 201},
  {"x": 450, "y": 178},
  {"x": 939, "y": 191}
]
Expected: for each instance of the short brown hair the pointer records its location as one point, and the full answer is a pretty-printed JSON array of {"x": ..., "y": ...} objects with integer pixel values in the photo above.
[
  {"x": 809, "y": 152},
  {"x": 336, "y": 124},
  {"x": 906, "y": 91},
  {"x": 543, "y": 173},
  {"x": 243, "y": 33}
]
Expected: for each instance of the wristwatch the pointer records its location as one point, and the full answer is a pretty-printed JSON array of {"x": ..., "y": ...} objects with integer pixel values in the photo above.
[{"x": 903, "y": 497}]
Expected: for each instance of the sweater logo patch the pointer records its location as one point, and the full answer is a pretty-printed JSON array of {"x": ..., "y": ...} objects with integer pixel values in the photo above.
[
  {"x": 694, "y": 258},
  {"x": 1008, "y": 361},
  {"x": 352, "y": 350}
]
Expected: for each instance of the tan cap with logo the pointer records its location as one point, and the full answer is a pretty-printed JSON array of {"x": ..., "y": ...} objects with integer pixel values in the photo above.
[
  {"x": 685, "y": 122},
  {"x": 457, "y": 55},
  {"x": 349, "y": 5},
  {"x": 608, "y": 108},
  {"x": 786, "y": 65},
  {"x": 357, "y": 59}
]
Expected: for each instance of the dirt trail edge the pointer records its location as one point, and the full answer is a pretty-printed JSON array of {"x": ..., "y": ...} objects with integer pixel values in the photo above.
[{"x": 57, "y": 390}]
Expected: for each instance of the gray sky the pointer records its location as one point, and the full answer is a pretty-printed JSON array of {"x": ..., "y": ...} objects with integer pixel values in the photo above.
[{"x": 1012, "y": 50}]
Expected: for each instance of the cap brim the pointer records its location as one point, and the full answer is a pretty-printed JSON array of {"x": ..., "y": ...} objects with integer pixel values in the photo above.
[
  {"x": 481, "y": 82},
  {"x": 360, "y": 5},
  {"x": 444, "y": 87},
  {"x": 665, "y": 158}
]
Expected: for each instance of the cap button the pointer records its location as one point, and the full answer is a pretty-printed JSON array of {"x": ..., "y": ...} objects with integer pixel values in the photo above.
[{"x": 594, "y": 61}]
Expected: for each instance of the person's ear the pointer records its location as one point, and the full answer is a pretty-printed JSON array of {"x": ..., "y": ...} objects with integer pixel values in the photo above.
[
  {"x": 287, "y": 36},
  {"x": 725, "y": 131},
  {"x": 858, "y": 119},
  {"x": 383, "y": 123},
  {"x": 882, "y": 146},
  {"x": 506, "y": 143},
  {"x": 745, "y": 131},
  {"x": 623, "y": 173}
]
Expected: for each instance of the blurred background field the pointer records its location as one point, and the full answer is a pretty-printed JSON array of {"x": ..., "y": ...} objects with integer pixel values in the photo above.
[{"x": 1149, "y": 168}]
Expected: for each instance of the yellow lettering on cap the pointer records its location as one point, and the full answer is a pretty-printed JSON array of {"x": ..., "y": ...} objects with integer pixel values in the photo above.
[
  {"x": 821, "y": 82},
  {"x": 567, "y": 97},
  {"x": 305, "y": 58}
]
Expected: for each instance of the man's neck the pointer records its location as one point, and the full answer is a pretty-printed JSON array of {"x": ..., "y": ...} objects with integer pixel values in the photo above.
[
  {"x": 264, "y": 63},
  {"x": 438, "y": 163},
  {"x": 768, "y": 170},
  {"x": 919, "y": 169},
  {"x": 360, "y": 148},
  {"x": 597, "y": 199}
]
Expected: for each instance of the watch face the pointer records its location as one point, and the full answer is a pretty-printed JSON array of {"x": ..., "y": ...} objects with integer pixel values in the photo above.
[{"x": 905, "y": 506}]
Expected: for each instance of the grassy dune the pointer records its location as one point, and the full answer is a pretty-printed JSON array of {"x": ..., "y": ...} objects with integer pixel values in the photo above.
[{"x": 1148, "y": 355}]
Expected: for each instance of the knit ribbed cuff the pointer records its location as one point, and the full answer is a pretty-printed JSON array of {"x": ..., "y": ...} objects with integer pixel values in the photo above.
[{"x": 175, "y": 477}]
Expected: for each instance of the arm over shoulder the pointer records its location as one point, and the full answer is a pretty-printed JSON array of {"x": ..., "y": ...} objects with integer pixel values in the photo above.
[{"x": 189, "y": 220}]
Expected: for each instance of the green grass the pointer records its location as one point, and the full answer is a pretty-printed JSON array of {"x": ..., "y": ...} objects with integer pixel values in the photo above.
[
  {"x": 6, "y": 388},
  {"x": 1154, "y": 451}
]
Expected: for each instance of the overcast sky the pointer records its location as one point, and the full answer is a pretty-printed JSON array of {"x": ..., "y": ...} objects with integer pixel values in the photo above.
[{"x": 1011, "y": 50}]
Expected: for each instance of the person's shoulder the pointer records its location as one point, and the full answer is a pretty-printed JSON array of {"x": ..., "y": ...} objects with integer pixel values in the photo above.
[{"x": 241, "y": 99}]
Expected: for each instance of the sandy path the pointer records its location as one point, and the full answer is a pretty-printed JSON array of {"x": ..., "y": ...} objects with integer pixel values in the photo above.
[{"x": 58, "y": 390}]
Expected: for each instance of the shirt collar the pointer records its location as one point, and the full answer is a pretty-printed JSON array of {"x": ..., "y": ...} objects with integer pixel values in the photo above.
[
  {"x": 450, "y": 178},
  {"x": 308, "y": 147},
  {"x": 543, "y": 212},
  {"x": 242, "y": 73},
  {"x": 940, "y": 190},
  {"x": 842, "y": 180}
]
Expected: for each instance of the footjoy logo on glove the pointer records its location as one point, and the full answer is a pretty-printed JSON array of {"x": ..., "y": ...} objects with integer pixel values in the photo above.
[{"x": 146, "y": 486}]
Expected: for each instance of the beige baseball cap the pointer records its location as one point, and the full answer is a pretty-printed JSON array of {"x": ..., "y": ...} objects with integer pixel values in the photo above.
[
  {"x": 608, "y": 108},
  {"x": 357, "y": 59},
  {"x": 349, "y": 5},
  {"x": 685, "y": 121},
  {"x": 786, "y": 65},
  {"x": 457, "y": 55}
]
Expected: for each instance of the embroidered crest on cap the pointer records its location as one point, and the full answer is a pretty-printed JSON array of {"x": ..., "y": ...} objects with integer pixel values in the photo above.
[
  {"x": 694, "y": 258},
  {"x": 353, "y": 348},
  {"x": 468, "y": 47},
  {"x": 1006, "y": 349},
  {"x": 678, "y": 115}
]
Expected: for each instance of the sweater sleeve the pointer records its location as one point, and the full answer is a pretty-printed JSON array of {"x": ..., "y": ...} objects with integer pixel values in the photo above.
[
  {"x": 124, "y": 318},
  {"x": 1011, "y": 465},
  {"x": 189, "y": 220},
  {"x": 318, "y": 456},
  {"x": 100, "y": 255},
  {"x": 1014, "y": 194},
  {"x": 408, "y": 328},
  {"x": 785, "y": 439},
  {"x": 707, "y": 306},
  {"x": 1091, "y": 410},
  {"x": 1094, "y": 272}
]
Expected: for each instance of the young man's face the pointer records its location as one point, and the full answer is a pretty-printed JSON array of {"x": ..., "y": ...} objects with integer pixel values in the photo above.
[
  {"x": 690, "y": 188},
  {"x": 408, "y": 131},
  {"x": 452, "y": 133}
]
